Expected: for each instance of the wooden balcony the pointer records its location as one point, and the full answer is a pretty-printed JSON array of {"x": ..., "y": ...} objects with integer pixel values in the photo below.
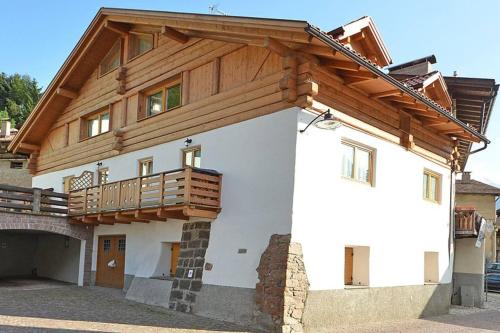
[
  {"x": 32, "y": 201},
  {"x": 179, "y": 194},
  {"x": 466, "y": 222}
]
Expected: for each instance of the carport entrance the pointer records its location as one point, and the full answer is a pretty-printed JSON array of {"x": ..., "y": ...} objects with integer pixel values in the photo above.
[{"x": 34, "y": 253}]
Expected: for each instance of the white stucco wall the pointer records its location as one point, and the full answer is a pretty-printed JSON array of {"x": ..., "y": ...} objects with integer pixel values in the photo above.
[
  {"x": 256, "y": 158},
  {"x": 391, "y": 218}
]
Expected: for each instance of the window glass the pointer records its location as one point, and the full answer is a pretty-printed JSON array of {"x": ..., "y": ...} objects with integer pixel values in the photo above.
[
  {"x": 173, "y": 96},
  {"x": 107, "y": 245},
  {"x": 112, "y": 60},
  {"x": 16, "y": 165},
  {"x": 155, "y": 103},
  {"x": 347, "y": 161},
  {"x": 104, "y": 122},
  {"x": 139, "y": 44},
  {"x": 92, "y": 127},
  {"x": 426, "y": 182},
  {"x": 145, "y": 168},
  {"x": 192, "y": 157},
  {"x": 431, "y": 186},
  {"x": 362, "y": 165},
  {"x": 121, "y": 245}
]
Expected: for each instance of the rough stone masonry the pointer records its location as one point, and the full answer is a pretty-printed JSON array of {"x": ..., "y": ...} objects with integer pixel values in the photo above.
[
  {"x": 281, "y": 292},
  {"x": 188, "y": 277}
]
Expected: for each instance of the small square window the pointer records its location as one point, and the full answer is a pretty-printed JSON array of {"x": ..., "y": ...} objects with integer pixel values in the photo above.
[
  {"x": 145, "y": 167},
  {"x": 357, "y": 162},
  {"x": 191, "y": 157},
  {"x": 432, "y": 186},
  {"x": 160, "y": 99},
  {"x": 16, "y": 165}
]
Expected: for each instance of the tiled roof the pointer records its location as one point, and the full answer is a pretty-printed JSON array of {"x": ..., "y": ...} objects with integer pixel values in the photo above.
[
  {"x": 475, "y": 187},
  {"x": 417, "y": 81}
]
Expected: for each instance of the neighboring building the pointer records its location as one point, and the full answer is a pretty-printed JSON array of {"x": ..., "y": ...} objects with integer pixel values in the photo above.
[
  {"x": 475, "y": 202},
  {"x": 259, "y": 210},
  {"x": 13, "y": 167}
]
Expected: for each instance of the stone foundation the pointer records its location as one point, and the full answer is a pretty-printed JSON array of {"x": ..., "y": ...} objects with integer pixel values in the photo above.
[
  {"x": 188, "y": 278},
  {"x": 282, "y": 288}
]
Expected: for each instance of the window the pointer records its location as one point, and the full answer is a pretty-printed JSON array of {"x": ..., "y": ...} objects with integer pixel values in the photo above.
[
  {"x": 112, "y": 60},
  {"x": 163, "y": 98},
  {"x": 145, "y": 167},
  {"x": 97, "y": 124},
  {"x": 432, "y": 186},
  {"x": 107, "y": 245},
  {"x": 139, "y": 43},
  {"x": 16, "y": 165},
  {"x": 191, "y": 157},
  {"x": 357, "y": 265},
  {"x": 102, "y": 176},
  {"x": 431, "y": 267},
  {"x": 357, "y": 162},
  {"x": 121, "y": 245}
]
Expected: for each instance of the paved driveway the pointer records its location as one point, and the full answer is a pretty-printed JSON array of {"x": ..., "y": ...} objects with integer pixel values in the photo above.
[{"x": 45, "y": 306}]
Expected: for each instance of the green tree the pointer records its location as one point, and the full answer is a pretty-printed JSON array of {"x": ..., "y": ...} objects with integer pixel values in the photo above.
[{"x": 18, "y": 96}]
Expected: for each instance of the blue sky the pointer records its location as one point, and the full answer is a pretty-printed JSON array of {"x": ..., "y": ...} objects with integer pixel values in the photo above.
[{"x": 37, "y": 36}]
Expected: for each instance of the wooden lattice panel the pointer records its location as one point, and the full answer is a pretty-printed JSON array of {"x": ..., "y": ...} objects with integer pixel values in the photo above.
[{"x": 86, "y": 179}]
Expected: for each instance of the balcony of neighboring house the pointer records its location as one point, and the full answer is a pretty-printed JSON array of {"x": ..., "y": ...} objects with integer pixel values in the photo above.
[
  {"x": 179, "y": 194},
  {"x": 467, "y": 222}
]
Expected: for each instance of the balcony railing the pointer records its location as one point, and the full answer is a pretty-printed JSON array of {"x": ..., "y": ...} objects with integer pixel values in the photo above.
[
  {"x": 185, "y": 193},
  {"x": 466, "y": 224},
  {"x": 32, "y": 200}
]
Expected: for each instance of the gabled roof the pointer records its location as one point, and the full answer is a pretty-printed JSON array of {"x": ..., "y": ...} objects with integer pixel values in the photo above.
[
  {"x": 280, "y": 36},
  {"x": 475, "y": 187},
  {"x": 362, "y": 35}
]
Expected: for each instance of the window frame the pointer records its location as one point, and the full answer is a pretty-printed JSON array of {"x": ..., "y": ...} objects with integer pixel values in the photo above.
[
  {"x": 130, "y": 34},
  {"x": 190, "y": 149},
  {"x": 120, "y": 56},
  {"x": 439, "y": 184},
  {"x": 100, "y": 171},
  {"x": 372, "y": 152},
  {"x": 153, "y": 90},
  {"x": 84, "y": 133},
  {"x": 139, "y": 166},
  {"x": 14, "y": 165}
]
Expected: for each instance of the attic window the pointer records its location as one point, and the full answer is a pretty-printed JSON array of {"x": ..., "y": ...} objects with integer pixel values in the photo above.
[
  {"x": 112, "y": 60},
  {"x": 139, "y": 43},
  {"x": 161, "y": 98}
]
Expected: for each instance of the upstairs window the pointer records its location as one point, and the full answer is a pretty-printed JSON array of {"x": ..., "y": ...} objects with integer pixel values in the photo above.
[
  {"x": 16, "y": 165},
  {"x": 191, "y": 157},
  {"x": 163, "y": 98},
  {"x": 145, "y": 167},
  {"x": 112, "y": 60},
  {"x": 102, "y": 176},
  {"x": 357, "y": 162},
  {"x": 96, "y": 124},
  {"x": 432, "y": 186},
  {"x": 138, "y": 44}
]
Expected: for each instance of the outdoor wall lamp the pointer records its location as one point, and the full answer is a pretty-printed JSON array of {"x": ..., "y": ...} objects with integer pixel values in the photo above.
[
  {"x": 328, "y": 121},
  {"x": 188, "y": 141}
]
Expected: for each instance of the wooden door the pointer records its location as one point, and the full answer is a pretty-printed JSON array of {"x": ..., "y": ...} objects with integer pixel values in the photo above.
[
  {"x": 111, "y": 261},
  {"x": 176, "y": 248},
  {"x": 349, "y": 254}
]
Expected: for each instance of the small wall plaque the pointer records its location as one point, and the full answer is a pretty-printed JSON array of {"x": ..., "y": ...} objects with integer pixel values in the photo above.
[
  {"x": 242, "y": 251},
  {"x": 208, "y": 266},
  {"x": 190, "y": 273}
]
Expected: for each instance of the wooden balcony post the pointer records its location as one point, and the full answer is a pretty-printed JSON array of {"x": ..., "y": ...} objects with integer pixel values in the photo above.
[
  {"x": 37, "y": 200},
  {"x": 85, "y": 201},
  {"x": 162, "y": 187},
  {"x": 101, "y": 199},
  {"x": 187, "y": 185},
  {"x": 138, "y": 194},
  {"x": 119, "y": 196}
]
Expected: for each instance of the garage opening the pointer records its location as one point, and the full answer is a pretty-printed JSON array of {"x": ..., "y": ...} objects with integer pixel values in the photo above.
[{"x": 39, "y": 254}]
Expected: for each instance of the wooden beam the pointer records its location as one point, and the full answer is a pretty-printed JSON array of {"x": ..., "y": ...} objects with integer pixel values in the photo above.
[
  {"x": 28, "y": 147},
  {"x": 174, "y": 34},
  {"x": 318, "y": 50},
  {"x": 405, "y": 125},
  {"x": 185, "y": 87},
  {"x": 147, "y": 216},
  {"x": 118, "y": 27},
  {"x": 89, "y": 220},
  {"x": 68, "y": 93},
  {"x": 122, "y": 218},
  {"x": 341, "y": 64},
  {"x": 193, "y": 212},
  {"x": 357, "y": 75},
  {"x": 105, "y": 219},
  {"x": 277, "y": 47},
  {"x": 171, "y": 214},
  {"x": 215, "y": 75},
  {"x": 387, "y": 93}
]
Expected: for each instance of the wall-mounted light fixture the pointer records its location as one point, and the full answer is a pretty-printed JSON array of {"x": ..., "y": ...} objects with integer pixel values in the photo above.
[
  {"x": 99, "y": 164},
  {"x": 188, "y": 141},
  {"x": 328, "y": 121}
]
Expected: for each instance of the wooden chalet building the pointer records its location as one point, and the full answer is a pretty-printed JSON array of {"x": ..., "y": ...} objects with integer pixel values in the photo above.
[{"x": 259, "y": 171}]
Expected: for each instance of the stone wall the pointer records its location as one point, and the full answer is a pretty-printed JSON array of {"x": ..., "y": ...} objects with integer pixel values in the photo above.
[
  {"x": 188, "y": 278},
  {"x": 282, "y": 288}
]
